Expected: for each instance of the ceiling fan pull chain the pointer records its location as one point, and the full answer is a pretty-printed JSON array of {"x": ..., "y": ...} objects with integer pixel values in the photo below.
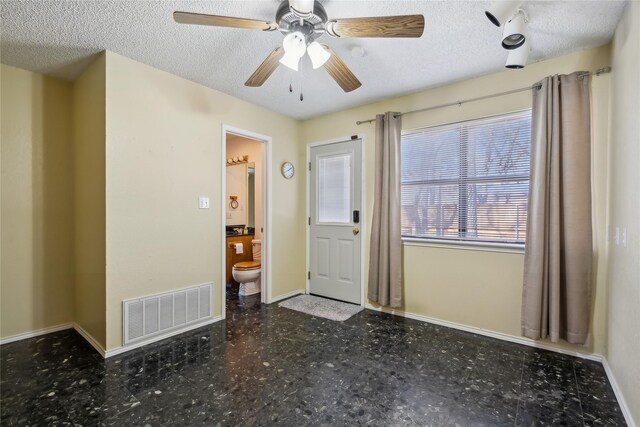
[{"x": 301, "y": 77}]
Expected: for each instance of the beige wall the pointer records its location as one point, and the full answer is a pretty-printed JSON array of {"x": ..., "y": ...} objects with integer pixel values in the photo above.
[
  {"x": 480, "y": 289},
  {"x": 37, "y": 202},
  {"x": 239, "y": 146},
  {"x": 624, "y": 262},
  {"x": 163, "y": 151},
  {"x": 89, "y": 143}
]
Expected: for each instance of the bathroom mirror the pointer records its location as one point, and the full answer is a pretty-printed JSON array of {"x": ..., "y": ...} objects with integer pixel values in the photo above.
[
  {"x": 251, "y": 197},
  {"x": 241, "y": 197}
]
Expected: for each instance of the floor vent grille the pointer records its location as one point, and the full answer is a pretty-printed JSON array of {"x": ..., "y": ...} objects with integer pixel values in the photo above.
[{"x": 157, "y": 314}]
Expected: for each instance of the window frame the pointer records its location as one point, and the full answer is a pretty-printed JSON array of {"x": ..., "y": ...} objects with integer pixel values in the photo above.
[{"x": 462, "y": 244}]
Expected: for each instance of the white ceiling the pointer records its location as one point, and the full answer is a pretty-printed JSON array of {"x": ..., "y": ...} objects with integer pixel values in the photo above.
[{"x": 60, "y": 37}]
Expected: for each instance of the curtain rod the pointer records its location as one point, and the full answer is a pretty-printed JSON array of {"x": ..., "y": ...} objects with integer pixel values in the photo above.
[{"x": 603, "y": 70}]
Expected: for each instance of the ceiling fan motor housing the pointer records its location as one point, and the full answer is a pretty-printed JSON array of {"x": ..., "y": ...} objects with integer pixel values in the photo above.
[{"x": 312, "y": 26}]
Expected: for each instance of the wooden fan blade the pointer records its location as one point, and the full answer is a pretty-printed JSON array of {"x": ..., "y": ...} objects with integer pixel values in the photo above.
[
  {"x": 382, "y": 26},
  {"x": 265, "y": 69},
  {"x": 339, "y": 71},
  {"x": 223, "y": 21}
]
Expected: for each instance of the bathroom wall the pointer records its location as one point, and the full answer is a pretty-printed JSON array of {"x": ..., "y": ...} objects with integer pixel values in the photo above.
[
  {"x": 237, "y": 186},
  {"x": 624, "y": 203},
  {"x": 479, "y": 288},
  {"x": 36, "y": 226},
  {"x": 163, "y": 152},
  {"x": 239, "y": 146}
]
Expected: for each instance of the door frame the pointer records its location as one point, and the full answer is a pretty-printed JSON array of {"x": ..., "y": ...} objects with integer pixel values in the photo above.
[
  {"x": 363, "y": 209},
  {"x": 267, "y": 186}
]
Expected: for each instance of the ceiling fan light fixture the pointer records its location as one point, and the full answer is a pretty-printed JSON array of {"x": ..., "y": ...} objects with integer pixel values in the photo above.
[
  {"x": 295, "y": 46},
  {"x": 517, "y": 58},
  {"x": 515, "y": 31},
  {"x": 290, "y": 60},
  {"x": 318, "y": 55},
  {"x": 501, "y": 10}
]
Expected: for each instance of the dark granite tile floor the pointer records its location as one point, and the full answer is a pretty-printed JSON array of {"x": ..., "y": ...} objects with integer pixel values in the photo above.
[{"x": 267, "y": 365}]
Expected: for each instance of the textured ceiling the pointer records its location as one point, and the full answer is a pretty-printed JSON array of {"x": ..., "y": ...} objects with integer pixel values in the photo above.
[{"x": 59, "y": 38}]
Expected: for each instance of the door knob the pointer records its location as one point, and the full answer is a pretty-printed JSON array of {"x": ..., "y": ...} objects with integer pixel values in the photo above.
[{"x": 355, "y": 230}]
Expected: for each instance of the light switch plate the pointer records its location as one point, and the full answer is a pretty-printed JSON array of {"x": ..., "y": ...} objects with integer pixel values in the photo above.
[{"x": 203, "y": 203}]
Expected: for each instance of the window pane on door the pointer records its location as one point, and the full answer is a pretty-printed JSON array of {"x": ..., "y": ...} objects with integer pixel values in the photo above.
[{"x": 334, "y": 189}]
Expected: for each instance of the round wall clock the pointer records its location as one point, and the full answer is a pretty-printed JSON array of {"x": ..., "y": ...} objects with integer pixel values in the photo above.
[{"x": 287, "y": 170}]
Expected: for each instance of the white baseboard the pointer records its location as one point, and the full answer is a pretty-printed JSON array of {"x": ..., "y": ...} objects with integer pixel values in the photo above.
[
  {"x": 92, "y": 341},
  {"x": 87, "y": 336},
  {"x": 488, "y": 333},
  {"x": 132, "y": 346},
  {"x": 616, "y": 390},
  {"x": 287, "y": 295},
  {"x": 36, "y": 333},
  {"x": 525, "y": 341}
]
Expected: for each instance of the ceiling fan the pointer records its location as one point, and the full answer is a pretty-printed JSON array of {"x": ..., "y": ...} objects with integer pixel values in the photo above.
[{"x": 304, "y": 21}]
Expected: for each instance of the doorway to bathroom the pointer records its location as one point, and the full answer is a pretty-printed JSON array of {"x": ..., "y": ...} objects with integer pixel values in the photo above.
[{"x": 245, "y": 219}]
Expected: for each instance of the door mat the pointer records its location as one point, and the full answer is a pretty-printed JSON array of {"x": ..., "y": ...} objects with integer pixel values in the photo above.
[{"x": 322, "y": 307}]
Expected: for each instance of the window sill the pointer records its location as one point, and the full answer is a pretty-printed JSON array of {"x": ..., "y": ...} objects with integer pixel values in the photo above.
[{"x": 509, "y": 248}]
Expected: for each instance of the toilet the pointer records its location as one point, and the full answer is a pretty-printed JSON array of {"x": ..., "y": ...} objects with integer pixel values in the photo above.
[{"x": 247, "y": 273}]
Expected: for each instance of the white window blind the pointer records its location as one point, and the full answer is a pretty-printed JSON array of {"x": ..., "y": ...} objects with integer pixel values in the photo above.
[
  {"x": 334, "y": 188},
  {"x": 467, "y": 181}
]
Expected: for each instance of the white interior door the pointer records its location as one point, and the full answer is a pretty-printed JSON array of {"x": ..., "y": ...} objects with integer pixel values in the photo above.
[{"x": 335, "y": 250}]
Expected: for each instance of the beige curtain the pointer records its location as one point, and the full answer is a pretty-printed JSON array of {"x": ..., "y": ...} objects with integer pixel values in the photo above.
[
  {"x": 385, "y": 261},
  {"x": 557, "y": 262}
]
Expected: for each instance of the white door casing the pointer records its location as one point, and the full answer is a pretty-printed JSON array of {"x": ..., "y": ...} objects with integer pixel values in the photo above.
[
  {"x": 334, "y": 236},
  {"x": 267, "y": 189}
]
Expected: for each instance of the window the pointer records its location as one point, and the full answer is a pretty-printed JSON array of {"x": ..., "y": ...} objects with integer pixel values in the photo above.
[
  {"x": 334, "y": 188},
  {"x": 467, "y": 181}
]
